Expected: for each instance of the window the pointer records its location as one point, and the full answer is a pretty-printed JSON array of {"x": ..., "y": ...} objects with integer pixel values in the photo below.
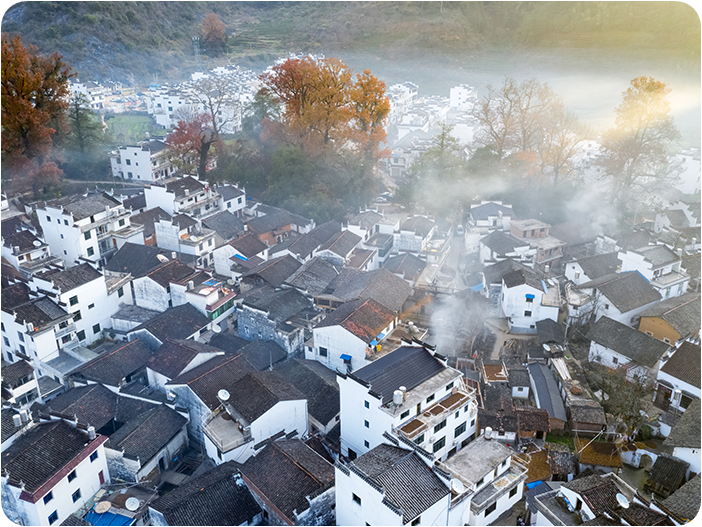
[
  {"x": 121, "y": 223},
  {"x": 129, "y": 162},
  {"x": 20, "y": 336},
  {"x": 366, "y": 444},
  {"x": 96, "y": 329},
  {"x": 93, "y": 456},
  {"x": 419, "y": 440},
  {"x": 229, "y": 204},
  {"x": 81, "y": 334},
  {"x": 209, "y": 243},
  {"x": 53, "y": 518},
  {"x": 87, "y": 235},
  {"x": 6, "y": 341},
  {"x": 73, "y": 300},
  {"x": 355, "y": 498},
  {"x": 238, "y": 201},
  {"x": 120, "y": 292},
  {"x": 130, "y": 175},
  {"x": 666, "y": 340},
  {"x": 366, "y": 424},
  {"x": 322, "y": 351},
  {"x": 48, "y": 497},
  {"x": 606, "y": 306},
  {"x": 416, "y": 521},
  {"x": 48, "y": 218},
  {"x": 366, "y": 404},
  {"x": 91, "y": 306},
  {"x": 513, "y": 492},
  {"x": 72, "y": 476},
  {"x": 472, "y": 423},
  {"x": 530, "y": 300},
  {"x": 91, "y": 251},
  {"x": 457, "y": 414},
  {"x": 449, "y": 386},
  {"x": 2, "y": 326},
  {"x": 438, "y": 445},
  {"x": 76, "y": 496},
  {"x": 459, "y": 429},
  {"x": 404, "y": 414},
  {"x": 615, "y": 360},
  {"x": 527, "y": 313},
  {"x": 480, "y": 482},
  {"x": 441, "y": 425},
  {"x": 21, "y": 348},
  {"x": 430, "y": 398}
]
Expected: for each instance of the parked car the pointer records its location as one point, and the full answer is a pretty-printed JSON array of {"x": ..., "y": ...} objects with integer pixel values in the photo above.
[{"x": 460, "y": 231}]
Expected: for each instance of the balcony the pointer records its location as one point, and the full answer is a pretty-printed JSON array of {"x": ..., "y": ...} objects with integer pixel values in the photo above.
[
  {"x": 114, "y": 215},
  {"x": 433, "y": 415},
  {"x": 39, "y": 263},
  {"x": 497, "y": 488},
  {"x": 65, "y": 331},
  {"x": 226, "y": 431}
]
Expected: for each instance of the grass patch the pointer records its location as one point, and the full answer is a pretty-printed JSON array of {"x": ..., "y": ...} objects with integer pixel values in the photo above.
[
  {"x": 128, "y": 129},
  {"x": 562, "y": 440}
]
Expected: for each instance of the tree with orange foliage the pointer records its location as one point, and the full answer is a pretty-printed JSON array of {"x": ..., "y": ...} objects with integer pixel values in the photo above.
[
  {"x": 214, "y": 33},
  {"x": 189, "y": 143},
  {"x": 34, "y": 103},
  {"x": 325, "y": 108}
]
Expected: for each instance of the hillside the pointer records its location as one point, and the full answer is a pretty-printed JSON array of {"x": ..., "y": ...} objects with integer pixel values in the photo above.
[{"x": 142, "y": 41}]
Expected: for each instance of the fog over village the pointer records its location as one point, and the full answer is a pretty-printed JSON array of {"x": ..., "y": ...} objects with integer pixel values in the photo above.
[{"x": 351, "y": 263}]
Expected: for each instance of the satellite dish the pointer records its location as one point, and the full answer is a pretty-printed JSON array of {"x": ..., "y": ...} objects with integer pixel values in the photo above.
[
  {"x": 622, "y": 501},
  {"x": 36, "y": 243},
  {"x": 103, "y": 506},
  {"x": 547, "y": 347},
  {"x": 457, "y": 486},
  {"x": 193, "y": 239},
  {"x": 223, "y": 395},
  {"x": 216, "y": 329},
  {"x": 132, "y": 504},
  {"x": 162, "y": 258}
]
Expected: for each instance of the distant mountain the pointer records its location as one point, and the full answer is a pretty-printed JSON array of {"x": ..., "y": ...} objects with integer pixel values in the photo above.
[{"x": 138, "y": 42}]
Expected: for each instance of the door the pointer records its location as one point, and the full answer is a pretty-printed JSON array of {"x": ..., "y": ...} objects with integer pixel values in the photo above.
[{"x": 101, "y": 477}]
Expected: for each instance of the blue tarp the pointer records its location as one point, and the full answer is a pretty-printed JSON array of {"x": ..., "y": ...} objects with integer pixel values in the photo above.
[
  {"x": 477, "y": 287},
  {"x": 534, "y": 484},
  {"x": 107, "y": 518},
  {"x": 240, "y": 257},
  {"x": 345, "y": 357},
  {"x": 373, "y": 342},
  {"x": 380, "y": 336}
]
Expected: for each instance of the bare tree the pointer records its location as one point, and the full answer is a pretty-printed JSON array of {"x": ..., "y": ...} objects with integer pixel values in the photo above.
[
  {"x": 217, "y": 97},
  {"x": 560, "y": 142}
]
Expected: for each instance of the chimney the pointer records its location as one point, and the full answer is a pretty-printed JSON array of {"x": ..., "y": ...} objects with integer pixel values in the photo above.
[
  {"x": 679, "y": 252},
  {"x": 191, "y": 285},
  {"x": 91, "y": 432}
]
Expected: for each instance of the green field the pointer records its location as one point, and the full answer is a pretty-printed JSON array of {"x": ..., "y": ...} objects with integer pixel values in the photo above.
[{"x": 128, "y": 129}]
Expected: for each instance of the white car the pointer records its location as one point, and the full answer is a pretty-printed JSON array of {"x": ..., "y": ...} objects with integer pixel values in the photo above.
[{"x": 460, "y": 231}]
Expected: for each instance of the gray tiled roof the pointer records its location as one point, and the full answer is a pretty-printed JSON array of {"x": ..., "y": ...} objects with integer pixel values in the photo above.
[
  {"x": 366, "y": 219},
  {"x": 41, "y": 312},
  {"x": 81, "y": 206},
  {"x": 381, "y": 285},
  {"x": 229, "y": 192},
  {"x": 256, "y": 393},
  {"x": 668, "y": 472},
  {"x": 681, "y": 312},
  {"x": 685, "y": 364},
  {"x": 276, "y": 219},
  {"x": 626, "y": 291},
  {"x": 145, "y": 435},
  {"x": 35, "y": 456},
  {"x": 550, "y": 331},
  {"x": 322, "y": 393},
  {"x": 14, "y": 295},
  {"x": 219, "y": 373},
  {"x": 498, "y": 412},
  {"x": 137, "y": 259},
  {"x": 630, "y": 342},
  {"x": 249, "y": 245},
  {"x": 521, "y": 277},
  {"x": 486, "y": 210},
  {"x": 685, "y": 502},
  {"x": 13, "y": 373},
  {"x": 263, "y": 353},
  {"x": 599, "y": 265},
  {"x": 279, "y": 305},
  {"x": 180, "y": 185},
  {"x": 22, "y": 239},
  {"x": 178, "y": 322},
  {"x": 217, "y": 497},
  {"x": 658, "y": 255},
  {"x": 341, "y": 243},
  {"x": 408, "y": 265},
  {"x": 406, "y": 479},
  {"x": 225, "y": 224},
  {"x": 171, "y": 358},
  {"x": 287, "y": 472},
  {"x": 686, "y": 433},
  {"x": 502, "y": 243},
  {"x": 314, "y": 276},
  {"x": 494, "y": 273},
  {"x": 8, "y": 425},
  {"x": 275, "y": 271},
  {"x": 547, "y": 390},
  {"x": 147, "y": 219},
  {"x": 420, "y": 225},
  {"x": 407, "y": 366},
  {"x": 115, "y": 364}
]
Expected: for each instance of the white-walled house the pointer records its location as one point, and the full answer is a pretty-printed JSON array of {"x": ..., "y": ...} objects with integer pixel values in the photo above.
[
  {"x": 343, "y": 340},
  {"x": 391, "y": 485},
  {"x": 184, "y": 195},
  {"x": 678, "y": 379},
  {"x": 51, "y": 472},
  {"x": 27, "y": 253},
  {"x": 88, "y": 295},
  {"x": 88, "y": 227},
  {"x": 616, "y": 345},
  {"x": 435, "y": 411},
  {"x": 240, "y": 250},
  {"x": 592, "y": 267},
  {"x": 233, "y": 199},
  {"x": 261, "y": 406},
  {"x": 526, "y": 299},
  {"x": 660, "y": 266},
  {"x": 146, "y": 162},
  {"x": 186, "y": 235},
  {"x": 684, "y": 439}
]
